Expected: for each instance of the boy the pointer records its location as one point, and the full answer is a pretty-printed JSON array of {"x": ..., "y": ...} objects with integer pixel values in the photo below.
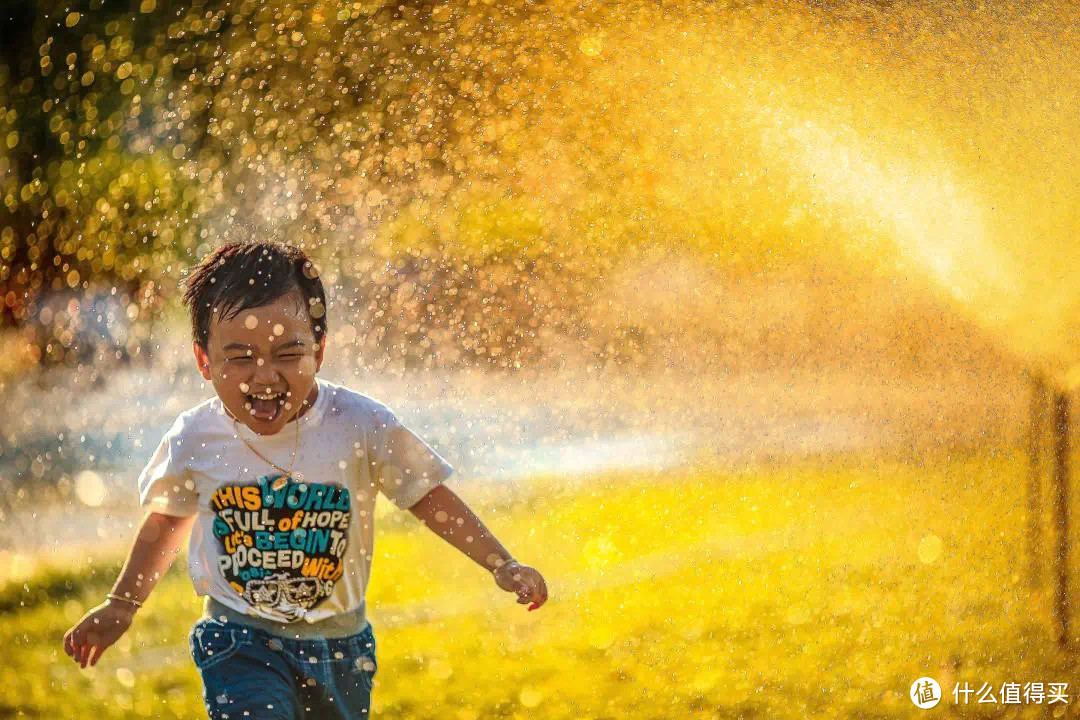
[{"x": 275, "y": 479}]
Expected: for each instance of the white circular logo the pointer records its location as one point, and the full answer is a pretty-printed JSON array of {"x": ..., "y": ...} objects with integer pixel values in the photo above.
[{"x": 925, "y": 692}]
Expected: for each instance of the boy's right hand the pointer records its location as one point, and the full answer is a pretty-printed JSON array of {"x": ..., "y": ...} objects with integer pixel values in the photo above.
[{"x": 98, "y": 629}]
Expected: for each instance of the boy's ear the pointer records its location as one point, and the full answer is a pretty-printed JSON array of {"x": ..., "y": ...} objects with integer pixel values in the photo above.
[
  {"x": 202, "y": 360},
  {"x": 319, "y": 353}
]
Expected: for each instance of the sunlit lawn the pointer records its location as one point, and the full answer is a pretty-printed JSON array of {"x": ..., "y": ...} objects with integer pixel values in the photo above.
[{"x": 810, "y": 590}]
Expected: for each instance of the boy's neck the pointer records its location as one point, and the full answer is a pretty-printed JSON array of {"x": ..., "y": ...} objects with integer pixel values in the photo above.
[{"x": 309, "y": 402}]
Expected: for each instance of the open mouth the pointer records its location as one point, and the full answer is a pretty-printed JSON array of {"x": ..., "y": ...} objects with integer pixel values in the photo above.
[{"x": 265, "y": 407}]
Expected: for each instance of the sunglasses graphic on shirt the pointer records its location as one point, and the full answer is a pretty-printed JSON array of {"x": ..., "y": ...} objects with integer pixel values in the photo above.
[{"x": 296, "y": 591}]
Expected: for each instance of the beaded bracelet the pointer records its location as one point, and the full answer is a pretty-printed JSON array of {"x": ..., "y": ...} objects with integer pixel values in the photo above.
[
  {"x": 511, "y": 561},
  {"x": 114, "y": 596}
]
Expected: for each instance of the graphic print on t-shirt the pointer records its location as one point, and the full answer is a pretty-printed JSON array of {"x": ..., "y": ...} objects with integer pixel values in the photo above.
[{"x": 282, "y": 542}]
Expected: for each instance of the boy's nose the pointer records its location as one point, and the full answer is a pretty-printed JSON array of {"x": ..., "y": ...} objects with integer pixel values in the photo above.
[{"x": 265, "y": 377}]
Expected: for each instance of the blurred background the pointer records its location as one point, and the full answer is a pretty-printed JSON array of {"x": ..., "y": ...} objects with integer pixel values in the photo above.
[{"x": 756, "y": 310}]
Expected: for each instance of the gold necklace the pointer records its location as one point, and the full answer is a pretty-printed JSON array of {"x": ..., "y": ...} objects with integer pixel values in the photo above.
[{"x": 279, "y": 482}]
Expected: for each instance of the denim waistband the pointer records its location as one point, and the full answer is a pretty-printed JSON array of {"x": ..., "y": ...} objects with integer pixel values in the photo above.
[{"x": 337, "y": 626}]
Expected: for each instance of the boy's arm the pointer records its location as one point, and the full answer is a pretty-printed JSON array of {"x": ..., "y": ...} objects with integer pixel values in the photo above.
[
  {"x": 156, "y": 545},
  {"x": 452, "y": 520}
]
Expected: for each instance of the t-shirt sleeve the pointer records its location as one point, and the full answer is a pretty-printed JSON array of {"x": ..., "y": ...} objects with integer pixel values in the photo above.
[
  {"x": 404, "y": 466},
  {"x": 165, "y": 485}
]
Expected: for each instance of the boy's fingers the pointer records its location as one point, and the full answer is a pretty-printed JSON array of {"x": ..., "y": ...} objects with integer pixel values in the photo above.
[
  {"x": 89, "y": 658},
  {"x": 541, "y": 594},
  {"x": 87, "y": 650},
  {"x": 531, "y": 591}
]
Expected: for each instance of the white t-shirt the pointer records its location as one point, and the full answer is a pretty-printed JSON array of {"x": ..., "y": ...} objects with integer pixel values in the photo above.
[{"x": 296, "y": 549}]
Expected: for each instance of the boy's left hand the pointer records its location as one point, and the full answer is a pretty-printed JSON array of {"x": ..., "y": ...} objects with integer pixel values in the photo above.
[{"x": 523, "y": 580}]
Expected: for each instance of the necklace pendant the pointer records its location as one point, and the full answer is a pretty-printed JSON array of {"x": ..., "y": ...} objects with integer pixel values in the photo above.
[{"x": 279, "y": 482}]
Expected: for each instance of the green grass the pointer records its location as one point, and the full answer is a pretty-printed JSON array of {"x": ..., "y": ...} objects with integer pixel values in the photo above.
[{"x": 804, "y": 590}]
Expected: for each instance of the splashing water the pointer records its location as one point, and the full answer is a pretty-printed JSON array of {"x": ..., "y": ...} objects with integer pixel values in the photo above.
[
  {"x": 929, "y": 136},
  {"x": 522, "y": 187}
]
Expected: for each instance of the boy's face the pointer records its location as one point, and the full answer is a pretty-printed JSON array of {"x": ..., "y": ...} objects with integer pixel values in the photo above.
[{"x": 262, "y": 363}]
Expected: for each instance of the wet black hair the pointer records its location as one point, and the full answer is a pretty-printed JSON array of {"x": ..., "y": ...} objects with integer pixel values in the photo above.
[{"x": 248, "y": 274}]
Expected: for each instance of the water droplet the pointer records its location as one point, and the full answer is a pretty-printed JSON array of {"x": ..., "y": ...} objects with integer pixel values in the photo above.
[
  {"x": 89, "y": 488},
  {"x": 930, "y": 549},
  {"x": 125, "y": 677}
]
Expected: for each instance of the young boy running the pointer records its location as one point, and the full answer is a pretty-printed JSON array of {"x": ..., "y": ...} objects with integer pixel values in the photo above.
[{"x": 275, "y": 480}]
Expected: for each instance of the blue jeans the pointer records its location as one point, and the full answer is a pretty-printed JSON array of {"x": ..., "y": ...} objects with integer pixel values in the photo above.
[{"x": 250, "y": 673}]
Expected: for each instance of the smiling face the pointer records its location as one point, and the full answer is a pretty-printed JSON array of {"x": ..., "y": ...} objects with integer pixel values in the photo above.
[{"x": 262, "y": 363}]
